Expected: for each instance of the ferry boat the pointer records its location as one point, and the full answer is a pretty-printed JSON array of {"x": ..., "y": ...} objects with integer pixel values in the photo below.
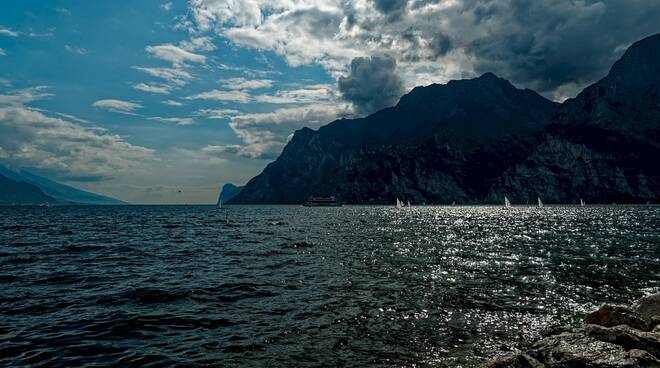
[{"x": 321, "y": 202}]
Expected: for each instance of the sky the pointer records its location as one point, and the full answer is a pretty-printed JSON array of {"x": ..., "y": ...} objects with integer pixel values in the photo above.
[{"x": 165, "y": 101}]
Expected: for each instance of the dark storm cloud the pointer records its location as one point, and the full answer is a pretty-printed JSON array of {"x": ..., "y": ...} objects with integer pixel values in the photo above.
[
  {"x": 548, "y": 44},
  {"x": 372, "y": 83}
]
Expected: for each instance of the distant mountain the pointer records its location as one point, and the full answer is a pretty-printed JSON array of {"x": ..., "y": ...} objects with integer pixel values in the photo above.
[
  {"x": 17, "y": 192},
  {"x": 427, "y": 148},
  {"x": 61, "y": 192},
  {"x": 227, "y": 192},
  {"x": 474, "y": 141}
]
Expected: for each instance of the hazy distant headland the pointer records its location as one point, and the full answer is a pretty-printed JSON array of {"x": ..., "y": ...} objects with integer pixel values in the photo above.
[{"x": 477, "y": 140}]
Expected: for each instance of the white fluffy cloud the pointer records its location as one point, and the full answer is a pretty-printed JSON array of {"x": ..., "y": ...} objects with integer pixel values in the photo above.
[
  {"x": 7, "y": 32},
  {"x": 153, "y": 88},
  {"x": 24, "y": 96},
  {"x": 2, "y": 52},
  {"x": 173, "y": 76},
  {"x": 242, "y": 83},
  {"x": 316, "y": 93},
  {"x": 265, "y": 134},
  {"x": 217, "y": 114},
  {"x": 226, "y": 96},
  {"x": 119, "y": 106},
  {"x": 177, "y": 121},
  {"x": 171, "y": 103},
  {"x": 78, "y": 152},
  {"x": 175, "y": 54}
]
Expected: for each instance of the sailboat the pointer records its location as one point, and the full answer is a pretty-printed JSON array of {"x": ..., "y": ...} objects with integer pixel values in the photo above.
[
  {"x": 581, "y": 203},
  {"x": 408, "y": 203},
  {"x": 399, "y": 204},
  {"x": 540, "y": 202},
  {"x": 507, "y": 204}
]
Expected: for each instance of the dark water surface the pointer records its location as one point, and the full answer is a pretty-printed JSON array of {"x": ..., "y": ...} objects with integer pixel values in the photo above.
[{"x": 282, "y": 286}]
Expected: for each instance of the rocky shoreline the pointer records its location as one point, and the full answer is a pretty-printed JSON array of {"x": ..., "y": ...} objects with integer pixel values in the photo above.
[{"x": 612, "y": 336}]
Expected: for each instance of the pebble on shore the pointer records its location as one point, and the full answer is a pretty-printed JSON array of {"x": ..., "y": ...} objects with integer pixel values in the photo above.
[{"x": 613, "y": 336}]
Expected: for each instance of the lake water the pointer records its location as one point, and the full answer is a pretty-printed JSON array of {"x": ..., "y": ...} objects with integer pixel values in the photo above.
[{"x": 279, "y": 286}]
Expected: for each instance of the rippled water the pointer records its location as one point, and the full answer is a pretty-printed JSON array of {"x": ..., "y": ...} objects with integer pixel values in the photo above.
[{"x": 293, "y": 286}]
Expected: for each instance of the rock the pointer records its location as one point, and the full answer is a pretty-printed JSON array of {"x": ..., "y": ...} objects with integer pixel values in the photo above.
[
  {"x": 614, "y": 336},
  {"x": 514, "y": 361},
  {"x": 614, "y": 315},
  {"x": 577, "y": 350},
  {"x": 649, "y": 308},
  {"x": 644, "y": 358},
  {"x": 626, "y": 337}
]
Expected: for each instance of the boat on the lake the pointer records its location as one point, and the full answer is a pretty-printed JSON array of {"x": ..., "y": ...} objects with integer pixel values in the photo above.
[
  {"x": 321, "y": 202},
  {"x": 507, "y": 204},
  {"x": 540, "y": 202}
]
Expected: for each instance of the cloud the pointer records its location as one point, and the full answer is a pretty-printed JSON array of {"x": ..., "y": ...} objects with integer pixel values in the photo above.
[
  {"x": 75, "y": 50},
  {"x": 226, "y": 96},
  {"x": 173, "y": 76},
  {"x": 242, "y": 83},
  {"x": 8, "y": 32},
  {"x": 265, "y": 134},
  {"x": 2, "y": 52},
  {"x": 198, "y": 44},
  {"x": 24, "y": 96},
  {"x": 317, "y": 93},
  {"x": 372, "y": 83},
  {"x": 217, "y": 114},
  {"x": 177, "y": 121},
  {"x": 174, "y": 54},
  {"x": 30, "y": 138},
  {"x": 545, "y": 44},
  {"x": 166, "y": 6},
  {"x": 152, "y": 88},
  {"x": 119, "y": 106},
  {"x": 171, "y": 103}
]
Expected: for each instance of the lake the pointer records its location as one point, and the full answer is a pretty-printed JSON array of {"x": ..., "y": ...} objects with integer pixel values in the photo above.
[{"x": 293, "y": 286}]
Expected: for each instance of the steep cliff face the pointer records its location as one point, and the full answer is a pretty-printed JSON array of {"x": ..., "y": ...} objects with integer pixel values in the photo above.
[
  {"x": 603, "y": 145},
  {"x": 427, "y": 148},
  {"x": 474, "y": 141}
]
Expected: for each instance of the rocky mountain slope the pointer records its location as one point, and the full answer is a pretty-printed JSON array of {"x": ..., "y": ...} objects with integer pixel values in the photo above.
[
  {"x": 60, "y": 192},
  {"x": 477, "y": 140},
  {"x": 227, "y": 192},
  {"x": 604, "y": 144},
  {"x": 15, "y": 192},
  {"x": 427, "y": 148}
]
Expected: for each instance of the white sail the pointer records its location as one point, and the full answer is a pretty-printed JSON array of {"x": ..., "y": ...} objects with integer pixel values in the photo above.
[
  {"x": 581, "y": 202},
  {"x": 399, "y": 204},
  {"x": 408, "y": 203},
  {"x": 506, "y": 202},
  {"x": 540, "y": 202}
]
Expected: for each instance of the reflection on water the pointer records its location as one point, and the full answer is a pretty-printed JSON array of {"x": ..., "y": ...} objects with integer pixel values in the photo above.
[{"x": 286, "y": 285}]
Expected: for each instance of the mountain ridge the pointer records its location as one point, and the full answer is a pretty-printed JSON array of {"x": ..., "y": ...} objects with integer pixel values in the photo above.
[
  {"x": 60, "y": 192},
  {"x": 477, "y": 140}
]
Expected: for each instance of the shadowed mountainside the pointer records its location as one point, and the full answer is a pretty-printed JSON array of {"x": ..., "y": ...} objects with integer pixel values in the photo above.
[
  {"x": 477, "y": 140},
  {"x": 16, "y": 192}
]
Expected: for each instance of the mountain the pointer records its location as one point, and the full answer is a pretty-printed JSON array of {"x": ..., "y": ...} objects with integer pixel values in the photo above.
[
  {"x": 61, "y": 192},
  {"x": 227, "y": 192},
  {"x": 427, "y": 148},
  {"x": 602, "y": 145},
  {"x": 477, "y": 140},
  {"x": 17, "y": 192}
]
